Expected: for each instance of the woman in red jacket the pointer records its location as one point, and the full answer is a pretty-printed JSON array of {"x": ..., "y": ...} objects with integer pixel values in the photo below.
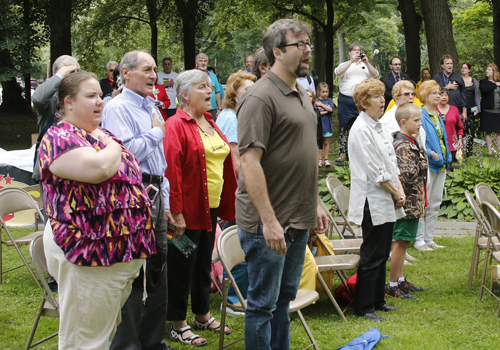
[
  {"x": 162, "y": 102},
  {"x": 452, "y": 122},
  {"x": 202, "y": 188}
]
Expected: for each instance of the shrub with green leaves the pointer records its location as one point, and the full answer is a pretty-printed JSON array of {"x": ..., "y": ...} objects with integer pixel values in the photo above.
[{"x": 476, "y": 170}]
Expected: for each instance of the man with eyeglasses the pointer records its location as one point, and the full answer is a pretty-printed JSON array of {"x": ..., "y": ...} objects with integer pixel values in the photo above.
[
  {"x": 392, "y": 78},
  {"x": 107, "y": 83},
  {"x": 277, "y": 198},
  {"x": 350, "y": 74}
]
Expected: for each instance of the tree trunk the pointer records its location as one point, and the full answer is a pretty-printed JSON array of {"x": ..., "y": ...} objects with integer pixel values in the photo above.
[
  {"x": 439, "y": 33},
  {"x": 341, "y": 42},
  {"x": 152, "y": 12},
  {"x": 59, "y": 22},
  {"x": 329, "y": 32},
  {"x": 189, "y": 29},
  {"x": 12, "y": 100},
  {"x": 412, "y": 22},
  {"x": 496, "y": 30},
  {"x": 27, "y": 50},
  {"x": 319, "y": 51}
]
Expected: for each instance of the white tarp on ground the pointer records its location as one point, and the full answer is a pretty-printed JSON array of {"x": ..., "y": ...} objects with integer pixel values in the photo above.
[{"x": 21, "y": 159}]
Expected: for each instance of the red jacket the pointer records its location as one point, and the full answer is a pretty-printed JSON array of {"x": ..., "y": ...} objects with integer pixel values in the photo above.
[
  {"x": 163, "y": 97},
  {"x": 187, "y": 175}
]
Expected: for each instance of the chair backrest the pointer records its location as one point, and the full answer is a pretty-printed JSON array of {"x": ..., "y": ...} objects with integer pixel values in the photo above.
[
  {"x": 14, "y": 199},
  {"x": 37, "y": 255},
  {"x": 476, "y": 212},
  {"x": 325, "y": 209},
  {"x": 35, "y": 192},
  {"x": 231, "y": 254},
  {"x": 341, "y": 197},
  {"x": 332, "y": 182},
  {"x": 493, "y": 217},
  {"x": 485, "y": 193}
]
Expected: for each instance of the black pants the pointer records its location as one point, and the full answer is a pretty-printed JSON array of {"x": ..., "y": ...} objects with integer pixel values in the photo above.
[
  {"x": 375, "y": 250},
  {"x": 171, "y": 111},
  {"x": 191, "y": 274},
  {"x": 143, "y": 326}
]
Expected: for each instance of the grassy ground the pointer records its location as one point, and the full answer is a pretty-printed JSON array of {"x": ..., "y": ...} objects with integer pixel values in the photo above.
[
  {"x": 16, "y": 130},
  {"x": 445, "y": 315}
]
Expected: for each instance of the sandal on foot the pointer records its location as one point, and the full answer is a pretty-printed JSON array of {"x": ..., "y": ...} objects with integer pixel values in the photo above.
[
  {"x": 201, "y": 326},
  {"x": 177, "y": 336}
]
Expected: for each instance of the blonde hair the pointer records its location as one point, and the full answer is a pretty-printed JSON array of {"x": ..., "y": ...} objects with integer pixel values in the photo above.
[
  {"x": 405, "y": 111},
  {"x": 234, "y": 82},
  {"x": 426, "y": 88},
  {"x": 313, "y": 96},
  {"x": 396, "y": 90},
  {"x": 366, "y": 90},
  {"x": 323, "y": 86},
  {"x": 496, "y": 74}
]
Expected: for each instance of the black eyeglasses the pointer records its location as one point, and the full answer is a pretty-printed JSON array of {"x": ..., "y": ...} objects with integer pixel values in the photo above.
[
  {"x": 408, "y": 94},
  {"x": 301, "y": 45}
]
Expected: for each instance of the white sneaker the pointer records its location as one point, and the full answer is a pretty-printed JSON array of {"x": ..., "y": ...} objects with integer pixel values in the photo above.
[
  {"x": 423, "y": 248},
  {"x": 327, "y": 163},
  {"x": 434, "y": 245},
  {"x": 320, "y": 163},
  {"x": 231, "y": 312},
  {"x": 407, "y": 263},
  {"x": 410, "y": 258}
]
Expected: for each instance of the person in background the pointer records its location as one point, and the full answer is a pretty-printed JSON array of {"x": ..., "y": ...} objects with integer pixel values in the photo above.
[
  {"x": 203, "y": 187},
  {"x": 350, "y": 74},
  {"x": 107, "y": 83},
  {"x": 260, "y": 63},
  {"x": 237, "y": 84},
  {"x": 426, "y": 75},
  {"x": 392, "y": 78},
  {"x": 319, "y": 129},
  {"x": 490, "y": 105},
  {"x": 473, "y": 105},
  {"x": 215, "y": 105},
  {"x": 326, "y": 107},
  {"x": 167, "y": 78},
  {"x": 162, "y": 101},
  {"x": 452, "y": 123},
  {"x": 95, "y": 241},
  {"x": 439, "y": 157},
  {"x": 412, "y": 164},
  {"x": 248, "y": 64},
  {"x": 376, "y": 197},
  {"x": 213, "y": 100}
]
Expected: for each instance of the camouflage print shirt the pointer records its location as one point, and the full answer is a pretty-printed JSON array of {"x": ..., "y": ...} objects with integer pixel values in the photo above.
[{"x": 412, "y": 164}]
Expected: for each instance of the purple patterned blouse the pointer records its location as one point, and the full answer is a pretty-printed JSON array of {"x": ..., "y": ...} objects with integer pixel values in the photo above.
[{"x": 96, "y": 224}]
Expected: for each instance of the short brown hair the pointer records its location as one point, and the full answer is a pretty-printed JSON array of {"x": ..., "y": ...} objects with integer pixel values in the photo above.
[
  {"x": 313, "y": 96},
  {"x": 234, "y": 82},
  {"x": 404, "y": 112},
  {"x": 323, "y": 85},
  {"x": 446, "y": 57},
  {"x": 365, "y": 90},
  {"x": 70, "y": 85},
  {"x": 425, "y": 88}
]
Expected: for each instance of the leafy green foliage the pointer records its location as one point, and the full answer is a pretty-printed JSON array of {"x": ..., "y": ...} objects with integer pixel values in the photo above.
[
  {"x": 476, "y": 170},
  {"x": 343, "y": 173}
]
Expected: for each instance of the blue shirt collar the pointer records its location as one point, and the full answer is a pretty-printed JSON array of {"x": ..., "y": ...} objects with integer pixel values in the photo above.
[{"x": 147, "y": 103}]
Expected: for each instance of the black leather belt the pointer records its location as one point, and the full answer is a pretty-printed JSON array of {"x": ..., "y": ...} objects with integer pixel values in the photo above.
[{"x": 152, "y": 179}]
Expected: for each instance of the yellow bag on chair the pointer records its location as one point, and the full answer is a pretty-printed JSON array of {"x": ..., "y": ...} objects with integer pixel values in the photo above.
[
  {"x": 308, "y": 279},
  {"x": 325, "y": 247}
]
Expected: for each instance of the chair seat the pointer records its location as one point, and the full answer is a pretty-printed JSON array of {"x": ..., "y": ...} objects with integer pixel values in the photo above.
[
  {"x": 336, "y": 262},
  {"x": 484, "y": 240},
  {"x": 496, "y": 256},
  {"x": 345, "y": 246},
  {"x": 303, "y": 299},
  {"x": 49, "y": 310},
  {"x": 24, "y": 240}
]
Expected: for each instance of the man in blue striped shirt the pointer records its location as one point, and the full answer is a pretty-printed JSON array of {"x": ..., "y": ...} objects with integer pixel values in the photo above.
[{"x": 134, "y": 119}]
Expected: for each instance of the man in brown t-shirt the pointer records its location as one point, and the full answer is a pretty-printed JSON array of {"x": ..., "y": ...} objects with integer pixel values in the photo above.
[{"x": 278, "y": 183}]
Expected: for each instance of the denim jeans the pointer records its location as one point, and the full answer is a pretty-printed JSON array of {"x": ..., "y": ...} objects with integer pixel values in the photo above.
[{"x": 274, "y": 281}]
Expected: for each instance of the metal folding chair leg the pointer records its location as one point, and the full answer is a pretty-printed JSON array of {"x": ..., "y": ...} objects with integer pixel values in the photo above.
[
  {"x": 308, "y": 331},
  {"x": 327, "y": 291}
]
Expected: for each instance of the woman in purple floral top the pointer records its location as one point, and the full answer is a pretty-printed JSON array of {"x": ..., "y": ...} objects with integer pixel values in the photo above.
[{"x": 99, "y": 231}]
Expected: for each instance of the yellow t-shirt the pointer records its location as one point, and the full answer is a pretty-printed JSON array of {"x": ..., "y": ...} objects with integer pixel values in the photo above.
[
  {"x": 216, "y": 151},
  {"x": 416, "y": 101}
]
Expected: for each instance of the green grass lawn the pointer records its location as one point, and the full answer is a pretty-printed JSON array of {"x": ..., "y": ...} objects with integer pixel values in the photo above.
[{"x": 445, "y": 315}]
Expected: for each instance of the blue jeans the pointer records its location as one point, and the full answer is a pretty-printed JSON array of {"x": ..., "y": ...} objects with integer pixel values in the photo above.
[{"x": 274, "y": 281}]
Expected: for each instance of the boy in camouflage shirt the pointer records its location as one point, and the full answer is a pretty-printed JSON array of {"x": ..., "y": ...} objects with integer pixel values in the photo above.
[{"x": 413, "y": 164}]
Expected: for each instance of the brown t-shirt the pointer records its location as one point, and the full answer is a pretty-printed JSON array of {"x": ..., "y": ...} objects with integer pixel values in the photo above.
[{"x": 282, "y": 123}]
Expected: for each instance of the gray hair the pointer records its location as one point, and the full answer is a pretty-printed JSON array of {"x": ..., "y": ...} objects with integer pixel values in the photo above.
[
  {"x": 110, "y": 63},
  {"x": 60, "y": 62},
  {"x": 185, "y": 82},
  {"x": 275, "y": 35},
  {"x": 131, "y": 61},
  {"x": 200, "y": 55},
  {"x": 352, "y": 46}
]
